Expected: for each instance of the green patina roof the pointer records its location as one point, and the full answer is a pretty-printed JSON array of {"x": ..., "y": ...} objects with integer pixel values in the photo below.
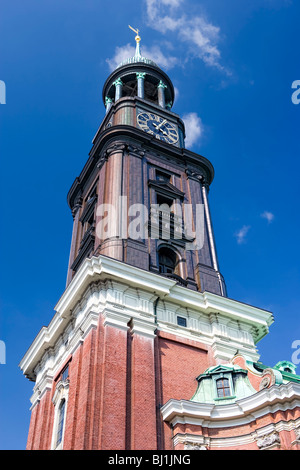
[
  {"x": 221, "y": 368},
  {"x": 238, "y": 378},
  {"x": 280, "y": 366}
]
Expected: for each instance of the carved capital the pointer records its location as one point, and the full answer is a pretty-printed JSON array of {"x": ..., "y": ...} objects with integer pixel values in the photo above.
[
  {"x": 117, "y": 147},
  {"x": 108, "y": 100},
  {"x": 140, "y": 75},
  {"x": 135, "y": 150},
  {"x": 197, "y": 176},
  {"x": 161, "y": 84},
  {"x": 118, "y": 82}
]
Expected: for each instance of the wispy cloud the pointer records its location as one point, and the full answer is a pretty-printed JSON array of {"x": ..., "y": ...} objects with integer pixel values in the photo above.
[
  {"x": 154, "y": 53},
  {"x": 242, "y": 233},
  {"x": 200, "y": 37},
  {"x": 121, "y": 53},
  {"x": 193, "y": 128},
  {"x": 195, "y": 37},
  {"x": 268, "y": 216},
  {"x": 163, "y": 60}
]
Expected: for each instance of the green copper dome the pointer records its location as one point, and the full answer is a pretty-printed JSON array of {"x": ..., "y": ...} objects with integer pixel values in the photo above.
[
  {"x": 139, "y": 77},
  {"x": 136, "y": 59}
]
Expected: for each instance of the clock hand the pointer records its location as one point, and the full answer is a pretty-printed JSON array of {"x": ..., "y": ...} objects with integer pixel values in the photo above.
[{"x": 159, "y": 125}]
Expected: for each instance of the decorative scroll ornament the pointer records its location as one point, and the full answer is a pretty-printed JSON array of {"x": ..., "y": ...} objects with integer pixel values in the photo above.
[
  {"x": 268, "y": 440},
  {"x": 194, "y": 446},
  {"x": 268, "y": 379}
]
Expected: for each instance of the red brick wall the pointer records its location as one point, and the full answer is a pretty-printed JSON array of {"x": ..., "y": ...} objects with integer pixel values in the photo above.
[
  {"x": 286, "y": 437},
  {"x": 143, "y": 399},
  {"x": 180, "y": 362},
  {"x": 118, "y": 381},
  {"x": 41, "y": 424}
]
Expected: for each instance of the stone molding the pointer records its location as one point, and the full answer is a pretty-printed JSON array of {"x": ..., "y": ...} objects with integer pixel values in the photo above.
[
  {"x": 200, "y": 442},
  {"x": 268, "y": 441},
  {"x": 244, "y": 411},
  {"x": 112, "y": 288}
]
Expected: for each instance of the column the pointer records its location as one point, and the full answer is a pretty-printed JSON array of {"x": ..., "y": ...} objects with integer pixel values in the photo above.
[
  {"x": 161, "y": 94},
  {"x": 143, "y": 392},
  {"x": 114, "y": 382},
  {"x": 140, "y": 83},
  {"x": 212, "y": 239},
  {"x": 75, "y": 214},
  {"x": 83, "y": 393},
  {"x": 108, "y": 103},
  {"x": 118, "y": 93},
  {"x": 110, "y": 219}
]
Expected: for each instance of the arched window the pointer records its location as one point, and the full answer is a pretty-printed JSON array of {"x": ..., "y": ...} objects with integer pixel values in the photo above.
[
  {"x": 60, "y": 423},
  {"x": 167, "y": 261},
  {"x": 223, "y": 388}
]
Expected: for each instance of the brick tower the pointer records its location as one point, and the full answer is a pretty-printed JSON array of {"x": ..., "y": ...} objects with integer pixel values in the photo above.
[{"x": 145, "y": 348}]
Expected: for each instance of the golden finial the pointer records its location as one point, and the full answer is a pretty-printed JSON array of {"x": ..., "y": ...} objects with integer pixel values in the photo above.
[{"x": 136, "y": 31}]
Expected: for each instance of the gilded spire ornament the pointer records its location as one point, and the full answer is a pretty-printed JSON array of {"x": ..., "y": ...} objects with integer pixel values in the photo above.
[{"x": 137, "y": 40}]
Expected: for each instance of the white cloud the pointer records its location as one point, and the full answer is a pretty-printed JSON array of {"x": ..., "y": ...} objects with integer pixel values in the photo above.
[
  {"x": 193, "y": 128},
  {"x": 172, "y": 3},
  {"x": 201, "y": 36},
  {"x": 197, "y": 37},
  {"x": 268, "y": 216},
  {"x": 121, "y": 53},
  {"x": 242, "y": 233},
  {"x": 176, "y": 93},
  {"x": 154, "y": 53}
]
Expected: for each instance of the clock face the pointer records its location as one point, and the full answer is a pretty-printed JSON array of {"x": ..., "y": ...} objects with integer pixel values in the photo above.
[{"x": 156, "y": 125}]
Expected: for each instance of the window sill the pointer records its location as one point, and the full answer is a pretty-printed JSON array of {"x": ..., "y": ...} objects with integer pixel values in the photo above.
[{"x": 230, "y": 397}]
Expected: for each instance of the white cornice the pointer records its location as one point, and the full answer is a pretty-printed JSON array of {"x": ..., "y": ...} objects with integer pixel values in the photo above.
[
  {"x": 276, "y": 398},
  {"x": 191, "y": 441},
  {"x": 150, "y": 286}
]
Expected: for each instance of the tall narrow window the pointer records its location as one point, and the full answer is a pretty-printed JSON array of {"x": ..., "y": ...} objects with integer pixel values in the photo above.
[
  {"x": 223, "y": 388},
  {"x": 167, "y": 261},
  {"x": 65, "y": 373},
  {"x": 60, "y": 402},
  {"x": 60, "y": 424}
]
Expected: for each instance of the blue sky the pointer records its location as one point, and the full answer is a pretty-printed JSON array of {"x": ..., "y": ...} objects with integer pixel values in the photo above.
[{"x": 233, "y": 64}]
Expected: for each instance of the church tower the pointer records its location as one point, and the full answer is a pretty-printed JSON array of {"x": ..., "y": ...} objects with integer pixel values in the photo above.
[
  {"x": 145, "y": 309},
  {"x": 138, "y": 159}
]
